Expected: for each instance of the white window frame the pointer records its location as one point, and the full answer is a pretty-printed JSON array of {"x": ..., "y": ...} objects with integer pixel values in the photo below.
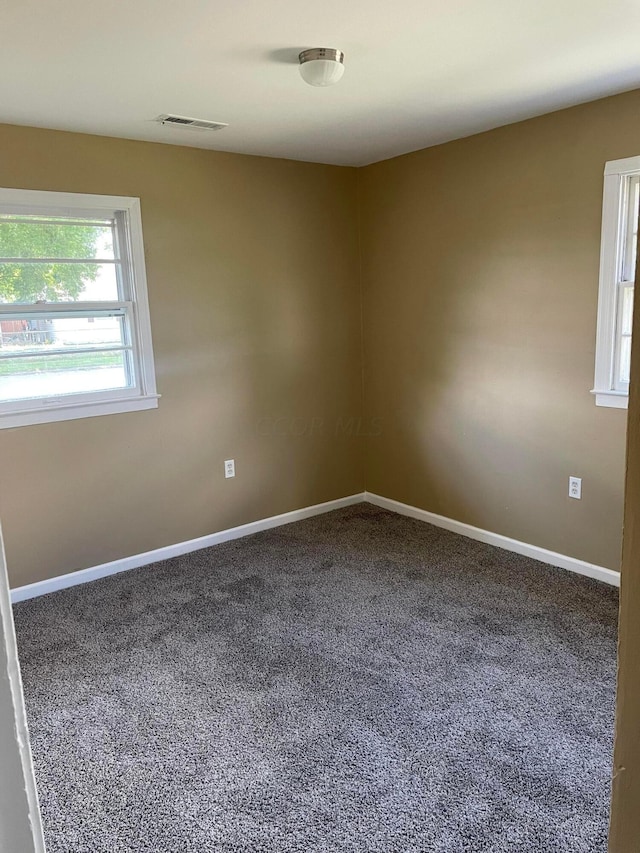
[
  {"x": 143, "y": 395},
  {"x": 613, "y": 278}
]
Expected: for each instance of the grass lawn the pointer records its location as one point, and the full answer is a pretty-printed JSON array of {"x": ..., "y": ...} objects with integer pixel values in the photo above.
[{"x": 49, "y": 363}]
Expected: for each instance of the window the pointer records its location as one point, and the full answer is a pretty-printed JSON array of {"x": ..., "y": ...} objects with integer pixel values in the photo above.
[
  {"x": 617, "y": 273},
  {"x": 75, "y": 335}
]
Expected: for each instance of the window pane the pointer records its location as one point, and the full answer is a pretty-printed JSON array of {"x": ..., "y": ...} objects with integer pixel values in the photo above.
[
  {"x": 627, "y": 310},
  {"x": 69, "y": 373},
  {"x": 635, "y": 203},
  {"x": 20, "y": 336},
  {"x": 625, "y": 361},
  {"x": 28, "y": 283},
  {"x": 42, "y": 237},
  {"x": 45, "y": 357},
  {"x": 631, "y": 229}
]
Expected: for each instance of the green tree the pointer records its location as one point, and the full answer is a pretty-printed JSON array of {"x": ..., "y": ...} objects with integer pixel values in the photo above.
[{"x": 49, "y": 281}]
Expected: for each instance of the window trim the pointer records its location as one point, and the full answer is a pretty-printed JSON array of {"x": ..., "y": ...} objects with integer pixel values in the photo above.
[
  {"x": 614, "y": 222},
  {"x": 116, "y": 401}
]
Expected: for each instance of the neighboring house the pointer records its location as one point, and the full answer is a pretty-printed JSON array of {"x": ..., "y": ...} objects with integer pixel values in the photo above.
[
  {"x": 13, "y": 331},
  {"x": 87, "y": 330}
]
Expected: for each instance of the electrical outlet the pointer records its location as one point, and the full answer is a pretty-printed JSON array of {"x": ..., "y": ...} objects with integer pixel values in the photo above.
[
  {"x": 230, "y": 468},
  {"x": 575, "y": 488}
]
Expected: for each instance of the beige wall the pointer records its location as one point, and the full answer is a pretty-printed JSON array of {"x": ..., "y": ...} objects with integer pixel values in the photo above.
[
  {"x": 479, "y": 270},
  {"x": 252, "y": 268},
  {"x": 480, "y": 277}
]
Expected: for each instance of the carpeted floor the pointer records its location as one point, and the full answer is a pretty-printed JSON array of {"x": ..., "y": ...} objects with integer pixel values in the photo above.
[{"x": 355, "y": 682}]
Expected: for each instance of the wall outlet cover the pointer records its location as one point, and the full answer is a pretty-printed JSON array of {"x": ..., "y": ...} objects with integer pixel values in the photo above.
[{"x": 575, "y": 488}]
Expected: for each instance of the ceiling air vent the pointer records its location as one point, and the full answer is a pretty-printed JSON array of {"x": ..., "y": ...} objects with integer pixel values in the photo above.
[{"x": 191, "y": 123}]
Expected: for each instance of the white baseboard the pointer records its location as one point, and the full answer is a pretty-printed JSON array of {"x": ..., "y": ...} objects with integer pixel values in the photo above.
[
  {"x": 32, "y": 590},
  {"x": 541, "y": 554}
]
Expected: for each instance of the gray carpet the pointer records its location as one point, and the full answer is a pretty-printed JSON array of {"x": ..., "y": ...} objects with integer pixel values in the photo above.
[{"x": 355, "y": 682}]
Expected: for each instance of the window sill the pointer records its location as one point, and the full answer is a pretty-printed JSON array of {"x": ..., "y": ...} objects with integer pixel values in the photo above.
[
  {"x": 612, "y": 399},
  {"x": 74, "y": 411}
]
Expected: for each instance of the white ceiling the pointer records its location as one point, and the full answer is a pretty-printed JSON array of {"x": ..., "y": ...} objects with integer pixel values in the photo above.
[{"x": 418, "y": 72}]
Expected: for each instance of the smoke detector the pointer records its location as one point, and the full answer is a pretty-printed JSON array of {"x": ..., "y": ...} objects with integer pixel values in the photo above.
[{"x": 190, "y": 123}]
